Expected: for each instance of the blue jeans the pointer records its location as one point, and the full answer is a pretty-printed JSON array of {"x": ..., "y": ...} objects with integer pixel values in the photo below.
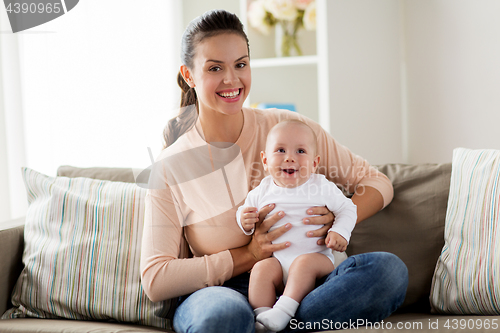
[{"x": 366, "y": 287}]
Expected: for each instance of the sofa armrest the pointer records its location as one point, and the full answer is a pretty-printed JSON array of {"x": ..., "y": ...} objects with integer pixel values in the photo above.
[{"x": 11, "y": 250}]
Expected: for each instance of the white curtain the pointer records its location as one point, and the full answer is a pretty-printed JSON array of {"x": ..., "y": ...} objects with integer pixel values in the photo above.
[
  {"x": 94, "y": 87},
  {"x": 12, "y": 142}
]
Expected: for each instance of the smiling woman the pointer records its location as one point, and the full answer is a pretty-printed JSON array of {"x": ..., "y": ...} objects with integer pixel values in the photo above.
[{"x": 210, "y": 163}]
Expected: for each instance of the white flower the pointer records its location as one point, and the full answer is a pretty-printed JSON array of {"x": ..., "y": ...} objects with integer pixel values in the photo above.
[
  {"x": 302, "y": 4},
  {"x": 310, "y": 16},
  {"x": 282, "y": 9},
  {"x": 257, "y": 16}
]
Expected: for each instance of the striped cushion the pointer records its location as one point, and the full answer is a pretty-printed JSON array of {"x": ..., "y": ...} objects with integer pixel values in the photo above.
[
  {"x": 82, "y": 251},
  {"x": 467, "y": 275}
]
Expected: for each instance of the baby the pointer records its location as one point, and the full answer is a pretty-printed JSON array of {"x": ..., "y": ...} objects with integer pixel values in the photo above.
[{"x": 293, "y": 186}]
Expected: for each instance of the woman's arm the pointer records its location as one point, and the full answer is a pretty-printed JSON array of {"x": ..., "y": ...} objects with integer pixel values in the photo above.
[
  {"x": 368, "y": 201},
  {"x": 165, "y": 270}
]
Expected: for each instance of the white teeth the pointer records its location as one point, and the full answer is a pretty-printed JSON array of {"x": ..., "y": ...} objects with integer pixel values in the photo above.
[{"x": 230, "y": 94}]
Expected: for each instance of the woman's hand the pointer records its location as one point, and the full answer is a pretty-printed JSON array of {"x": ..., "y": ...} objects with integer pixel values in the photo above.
[
  {"x": 261, "y": 246},
  {"x": 325, "y": 218}
]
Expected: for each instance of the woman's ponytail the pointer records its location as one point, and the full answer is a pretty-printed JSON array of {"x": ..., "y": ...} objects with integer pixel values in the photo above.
[
  {"x": 188, "y": 95},
  {"x": 187, "y": 114},
  {"x": 181, "y": 124}
]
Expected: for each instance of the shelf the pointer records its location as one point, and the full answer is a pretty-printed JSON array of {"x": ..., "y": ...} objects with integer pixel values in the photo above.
[{"x": 284, "y": 61}]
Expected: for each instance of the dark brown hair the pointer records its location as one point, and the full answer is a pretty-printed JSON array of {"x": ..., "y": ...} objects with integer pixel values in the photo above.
[{"x": 212, "y": 23}]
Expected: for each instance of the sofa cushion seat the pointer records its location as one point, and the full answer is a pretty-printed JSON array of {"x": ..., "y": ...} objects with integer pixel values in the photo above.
[
  {"x": 26, "y": 325},
  {"x": 408, "y": 322}
]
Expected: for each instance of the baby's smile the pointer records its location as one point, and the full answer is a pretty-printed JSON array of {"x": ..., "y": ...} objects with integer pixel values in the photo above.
[{"x": 289, "y": 171}]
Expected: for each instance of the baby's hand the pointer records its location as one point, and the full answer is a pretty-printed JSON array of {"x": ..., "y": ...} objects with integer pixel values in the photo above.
[
  {"x": 336, "y": 242},
  {"x": 249, "y": 216}
]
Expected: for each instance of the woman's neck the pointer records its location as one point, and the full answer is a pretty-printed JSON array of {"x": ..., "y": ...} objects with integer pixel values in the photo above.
[{"x": 221, "y": 127}]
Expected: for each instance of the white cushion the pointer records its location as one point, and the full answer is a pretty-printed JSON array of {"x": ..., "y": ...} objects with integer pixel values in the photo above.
[
  {"x": 82, "y": 251},
  {"x": 467, "y": 274}
]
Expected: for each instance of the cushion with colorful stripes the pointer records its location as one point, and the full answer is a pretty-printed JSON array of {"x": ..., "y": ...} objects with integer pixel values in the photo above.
[
  {"x": 466, "y": 277},
  {"x": 82, "y": 251}
]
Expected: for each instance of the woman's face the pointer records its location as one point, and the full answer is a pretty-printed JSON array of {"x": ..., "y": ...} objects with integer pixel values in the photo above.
[{"x": 221, "y": 74}]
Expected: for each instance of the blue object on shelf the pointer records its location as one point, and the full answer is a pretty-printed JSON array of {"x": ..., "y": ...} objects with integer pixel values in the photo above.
[{"x": 285, "y": 106}]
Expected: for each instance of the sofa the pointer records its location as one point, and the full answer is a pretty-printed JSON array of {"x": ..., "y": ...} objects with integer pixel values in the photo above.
[{"x": 411, "y": 226}]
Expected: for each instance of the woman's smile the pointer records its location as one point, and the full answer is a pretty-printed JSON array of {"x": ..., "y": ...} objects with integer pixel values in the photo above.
[{"x": 230, "y": 95}]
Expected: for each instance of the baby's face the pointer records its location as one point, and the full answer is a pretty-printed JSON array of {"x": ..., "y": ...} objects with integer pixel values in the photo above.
[{"x": 290, "y": 155}]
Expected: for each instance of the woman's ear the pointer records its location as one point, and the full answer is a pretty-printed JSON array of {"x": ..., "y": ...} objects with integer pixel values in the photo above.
[
  {"x": 186, "y": 74},
  {"x": 264, "y": 160}
]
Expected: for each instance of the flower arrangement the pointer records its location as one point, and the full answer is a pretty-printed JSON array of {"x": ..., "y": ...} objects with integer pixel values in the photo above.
[{"x": 289, "y": 15}]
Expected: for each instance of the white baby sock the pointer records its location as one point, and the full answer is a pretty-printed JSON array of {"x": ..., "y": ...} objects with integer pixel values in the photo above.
[
  {"x": 278, "y": 317},
  {"x": 259, "y": 328}
]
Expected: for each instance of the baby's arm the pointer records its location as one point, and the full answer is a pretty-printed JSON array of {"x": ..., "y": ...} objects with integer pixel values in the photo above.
[
  {"x": 248, "y": 214},
  {"x": 344, "y": 223},
  {"x": 336, "y": 242},
  {"x": 345, "y": 212},
  {"x": 248, "y": 217}
]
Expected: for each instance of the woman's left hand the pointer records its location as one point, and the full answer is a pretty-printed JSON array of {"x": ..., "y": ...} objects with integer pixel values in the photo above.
[{"x": 325, "y": 218}]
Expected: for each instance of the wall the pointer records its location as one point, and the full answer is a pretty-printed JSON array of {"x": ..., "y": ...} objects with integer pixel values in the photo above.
[
  {"x": 453, "y": 52},
  {"x": 410, "y": 80},
  {"x": 364, "y": 54}
]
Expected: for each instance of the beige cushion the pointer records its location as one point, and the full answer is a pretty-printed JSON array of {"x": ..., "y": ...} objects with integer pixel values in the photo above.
[
  {"x": 411, "y": 226},
  {"x": 114, "y": 174}
]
